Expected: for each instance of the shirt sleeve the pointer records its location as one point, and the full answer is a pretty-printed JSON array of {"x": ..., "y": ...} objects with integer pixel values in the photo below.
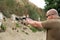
[{"x": 49, "y": 24}]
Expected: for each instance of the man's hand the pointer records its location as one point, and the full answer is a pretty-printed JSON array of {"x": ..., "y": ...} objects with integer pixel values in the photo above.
[
  {"x": 28, "y": 20},
  {"x": 33, "y": 23}
]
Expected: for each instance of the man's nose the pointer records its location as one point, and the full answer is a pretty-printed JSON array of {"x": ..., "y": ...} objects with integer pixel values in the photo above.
[{"x": 49, "y": 17}]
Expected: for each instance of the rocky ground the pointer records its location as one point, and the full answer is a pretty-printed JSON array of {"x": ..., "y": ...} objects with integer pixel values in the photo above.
[{"x": 21, "y": 33}]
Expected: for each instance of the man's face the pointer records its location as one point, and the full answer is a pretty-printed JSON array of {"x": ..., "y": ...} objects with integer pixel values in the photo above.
[{"x": 51, "y": 16}]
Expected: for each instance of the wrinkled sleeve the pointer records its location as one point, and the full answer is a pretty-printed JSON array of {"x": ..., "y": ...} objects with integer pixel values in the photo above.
[{"x": 49, "y": 24}]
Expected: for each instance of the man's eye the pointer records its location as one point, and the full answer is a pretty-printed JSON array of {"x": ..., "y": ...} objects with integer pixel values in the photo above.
[
  {"x": 48, "y": 15},
  {"x": 52, "y": 14}
]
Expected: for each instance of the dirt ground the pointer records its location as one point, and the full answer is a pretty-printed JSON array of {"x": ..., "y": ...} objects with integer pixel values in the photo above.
[{"x": 19, "y": 34}]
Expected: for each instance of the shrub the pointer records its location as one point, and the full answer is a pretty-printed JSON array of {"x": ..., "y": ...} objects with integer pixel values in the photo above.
[
  {"x": 3, "y": 27},
  {"x": 17, "y": 25}
]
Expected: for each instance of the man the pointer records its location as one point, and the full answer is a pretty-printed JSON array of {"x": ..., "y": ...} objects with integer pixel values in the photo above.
[{"x": 52, "y": 24}]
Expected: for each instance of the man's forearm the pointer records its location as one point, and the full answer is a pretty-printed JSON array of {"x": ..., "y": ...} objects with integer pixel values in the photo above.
[{"x": 36, "y": 24}]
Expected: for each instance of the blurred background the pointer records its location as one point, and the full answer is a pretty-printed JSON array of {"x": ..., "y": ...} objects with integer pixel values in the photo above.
[
  {"x": 36, "y": 9},
  {"x": 14, "y": 12}
]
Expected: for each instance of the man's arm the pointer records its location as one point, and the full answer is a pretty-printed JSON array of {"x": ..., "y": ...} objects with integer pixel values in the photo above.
[{"x": 34, "y": 23}]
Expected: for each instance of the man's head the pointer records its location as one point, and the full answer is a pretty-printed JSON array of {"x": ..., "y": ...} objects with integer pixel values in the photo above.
[{"x": 52, "y": 14}]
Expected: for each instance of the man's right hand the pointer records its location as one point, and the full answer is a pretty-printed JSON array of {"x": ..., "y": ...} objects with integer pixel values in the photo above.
[{"x": 28, "y": 20}]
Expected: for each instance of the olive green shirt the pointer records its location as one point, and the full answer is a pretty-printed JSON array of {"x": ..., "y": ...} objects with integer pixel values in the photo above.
[{"x": 53, "y": 29}]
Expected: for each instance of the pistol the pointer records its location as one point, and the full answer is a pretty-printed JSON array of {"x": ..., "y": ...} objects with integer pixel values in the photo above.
[{"x": 23, "y": 18}]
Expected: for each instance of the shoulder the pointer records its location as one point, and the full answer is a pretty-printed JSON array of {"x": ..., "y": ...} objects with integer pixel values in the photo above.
[
  {"x": 51, "y": 20},
  {"x": 50, "y": 23}
]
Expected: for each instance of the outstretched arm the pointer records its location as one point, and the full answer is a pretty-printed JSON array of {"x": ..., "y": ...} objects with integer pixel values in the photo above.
[{"x": 34, "y": 23}]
